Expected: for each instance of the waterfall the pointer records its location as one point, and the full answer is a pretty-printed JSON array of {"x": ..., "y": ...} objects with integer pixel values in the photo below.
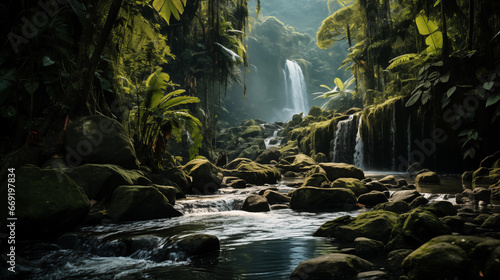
[
  {"x": 345, "y": 140},
  {"x": 273, "y": 141},
  {"x": 358, "y": 149},
  {"x": 295, "y": 90}
]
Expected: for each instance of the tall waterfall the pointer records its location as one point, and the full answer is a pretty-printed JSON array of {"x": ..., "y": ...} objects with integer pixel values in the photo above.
[
  {"x": 359, "y": 155},
  {"x": 295, "y": 90},
  {"x": 345, "y": 140}
]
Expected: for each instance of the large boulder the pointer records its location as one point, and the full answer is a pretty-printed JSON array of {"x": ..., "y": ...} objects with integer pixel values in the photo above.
[
  {"x": 375, "y": 225},
  {"x": 407, "y": 195},
  {"x": 399, "y": 207},
  {"x": 315, "y": 177},
  {"x": 415, "y": 228},
  {"x": 322, "y": 199},
  {"x": 335, "y": 171},
  {"x": 176, "y": 177},
  {"x": 453, "y": 257},
  {"x": 273, "y": 153},
  {"x": 136, "y": 203},
  {"x": 355, "y": 185},
  {"x": 427, "y": 178},
  {"x": 255, "y": 203},
  {"x": 296, "y": 163},
  {"x": 251, "y": 131},
  {"x": 331, "y": 266},
  {"x": 98, "y": 139},
  {"x": 366, "y": 247},
  {"x": 485, "y": 177},
  {"x": 252, "y": 172},
  {"x": 251, "y": 152},
  {"x": 199, "y": 244},
  {"x": 46, "y": 202},
  {"x": 372, "y": 198},
  {"x": 441, "y": 208},
  {"x": 98, "y": 181},
  {"x": 204, "y": 174},
  {"x": 274, "y": 197}
]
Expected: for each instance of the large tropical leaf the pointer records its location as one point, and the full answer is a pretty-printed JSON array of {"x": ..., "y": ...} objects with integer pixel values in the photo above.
[
  {"x": 434, "y": 41},
  {"x": 425, "y": 26},
  {"x": 156, "y": 85},
  {"x": 168, "y": 8}
]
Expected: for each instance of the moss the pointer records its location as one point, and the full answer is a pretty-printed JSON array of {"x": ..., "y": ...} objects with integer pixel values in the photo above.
[
  {"x": 335, "y": 171},
  {"x": 251, "y": 131},
  {"x": 297, "y": 163},
  {"x": 485, "y": 177},
  {"x": 252, "y": 172},
  {"x": 250, "y": 152},
  {"x": 399, "y": 207},
  {"x": 250, "y": 123},
  {"x": 355, "y": 185},
  {"x": 320, "y": 199},
  {"x": 315, "y": 111}
]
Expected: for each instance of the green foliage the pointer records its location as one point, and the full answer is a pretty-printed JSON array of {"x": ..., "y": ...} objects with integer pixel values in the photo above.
[
  {"x": 334, "y": 27},
  {"x": 339, "y": 97},
  {"x": 168, "y": 8}
]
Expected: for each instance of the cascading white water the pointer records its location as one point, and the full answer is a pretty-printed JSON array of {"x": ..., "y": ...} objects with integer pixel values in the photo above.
[
  {"x": 295, "y": 90},
  {"x": 345, "y": 140},
  {"x": 273, "y": 141},
  {"x": 359, "y": 148}
]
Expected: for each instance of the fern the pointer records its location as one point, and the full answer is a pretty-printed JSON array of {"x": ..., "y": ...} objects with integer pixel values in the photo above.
[{"x": 402, "y": 59}]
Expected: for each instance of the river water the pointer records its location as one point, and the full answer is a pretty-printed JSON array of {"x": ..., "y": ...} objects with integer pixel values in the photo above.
[{"x": 253, "y": 245}]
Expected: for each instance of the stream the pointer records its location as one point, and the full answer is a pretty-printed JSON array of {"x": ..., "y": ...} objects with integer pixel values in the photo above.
[{"x": 253, "y": 245}]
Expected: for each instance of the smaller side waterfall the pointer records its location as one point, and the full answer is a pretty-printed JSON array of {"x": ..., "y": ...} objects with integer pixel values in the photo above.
[
  {"x": 359, "y": 148},
  {"x": 273, "y": 141},
  {"x": 345, "y": 140}
]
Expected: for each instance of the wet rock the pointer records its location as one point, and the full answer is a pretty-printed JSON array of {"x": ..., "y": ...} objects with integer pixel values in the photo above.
[
  {"x": 455, "y": 223},
  {"x": 373, "y": 275},
  {"x": 441, "y": 208},
  {"x": 204, "y": 174},
  {"x": 315, "y": 177},
  {"x": 366, "y": 247},
  {"x": 296, "y": 163},
  {"x": 467, "y": 179},
  {"x": 395, "y": 259},
  {"x": 374, "y": 225},
  {"x": 419, "y": 201},
  {"x": 398, "y": 207},
  {"x": 415, "y": 228},
  {"x": 407, "y": 196},
  {"x": 427, "y": 178},
  {"x": 481, "y": 194},
  {"x": 274, "y": 197},
  {"x": 238, "y": 184},
  {"x": 352, "y": 184},
  {"x": 103, "y": 140},
  {"x": 485, "y": 177},
  {"x": 280, "y": 206},
  {"x": 273, "y": 153},
  {"x": 168, "y": 191},
  {"x": 389, "y": 180},
  {"x": 372, "y": 198},
  {"x": 199, "y": 244},
  {"x": 322, "y": 199},
  {"x": 136, "y": 203},
  {"x": 261, "y": 192},
  {"x": 47, "y": 202},
  {"x": 256, "y": 203},
  {"x": 335, "y": 171},
  {"x": 252, "y": 172},
  {"x": 452, "y": 257},
  {"x": 331, "y": 266},
  {"x": 492, "y": 222},
  {"x": 320, "y": 157},
  {"x": 175, "y": 177},
  {"x": 376, "y": 186}
]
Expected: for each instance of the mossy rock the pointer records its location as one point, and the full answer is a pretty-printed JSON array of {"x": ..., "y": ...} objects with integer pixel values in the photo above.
[
  {"x": 331, "y": 266},
  {"x": 366, "y": 247},
  {"x": 315, "y": 180},
  {"x": 274, "y": 197},
  {"x": 174, "y": 176},
  {"x": 485, "y": 177},
  {"x": 355, "y": 185},
  {"x": 453, "y": 257},
  {"x": 252, "y": 172},
  {"x": 250, "y": 123},
  {"x": 427, "y": 178},
  {"x": 398, "y": 207},
  {"x": 335, "y": 171},
  {"x": 101, "y": 140},
  {"x": 406, "y": 195},
  {"x": 251, "y": 152},
  {"x": 98, "y": 181},
  {"x": 47, "y": 202},
  {"x": 204, "y": 174},
  {"x": 256, "y": 203},
  {"x": 291, "y": 148},
  {"x": 415, "y": 228},
  {"x": 315, "y": 111},
  {"x": 273, "y": 153},
  {"x": 137, "y": 203},
  {"x": 296, "y": 163},
  {"x": 251, "y": 131},
  {"x": 320, "y": 199},
  {"x": 441, "y": 208},
  {"x": 375, "y": 225},
  {"x": 492, "y": 222},
  {"x": 372, "y": 198},
  {"x": 320, "y": 157},
  {"x": 169, "y": 192}
]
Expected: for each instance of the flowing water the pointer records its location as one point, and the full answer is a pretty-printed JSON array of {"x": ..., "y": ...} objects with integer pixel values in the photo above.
[
  {"x": 295, "y": 90},
  {"x": 345, "y": 140},
  {"x": 273, "y": 141},
  {"x": 253, "y": 245}
]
